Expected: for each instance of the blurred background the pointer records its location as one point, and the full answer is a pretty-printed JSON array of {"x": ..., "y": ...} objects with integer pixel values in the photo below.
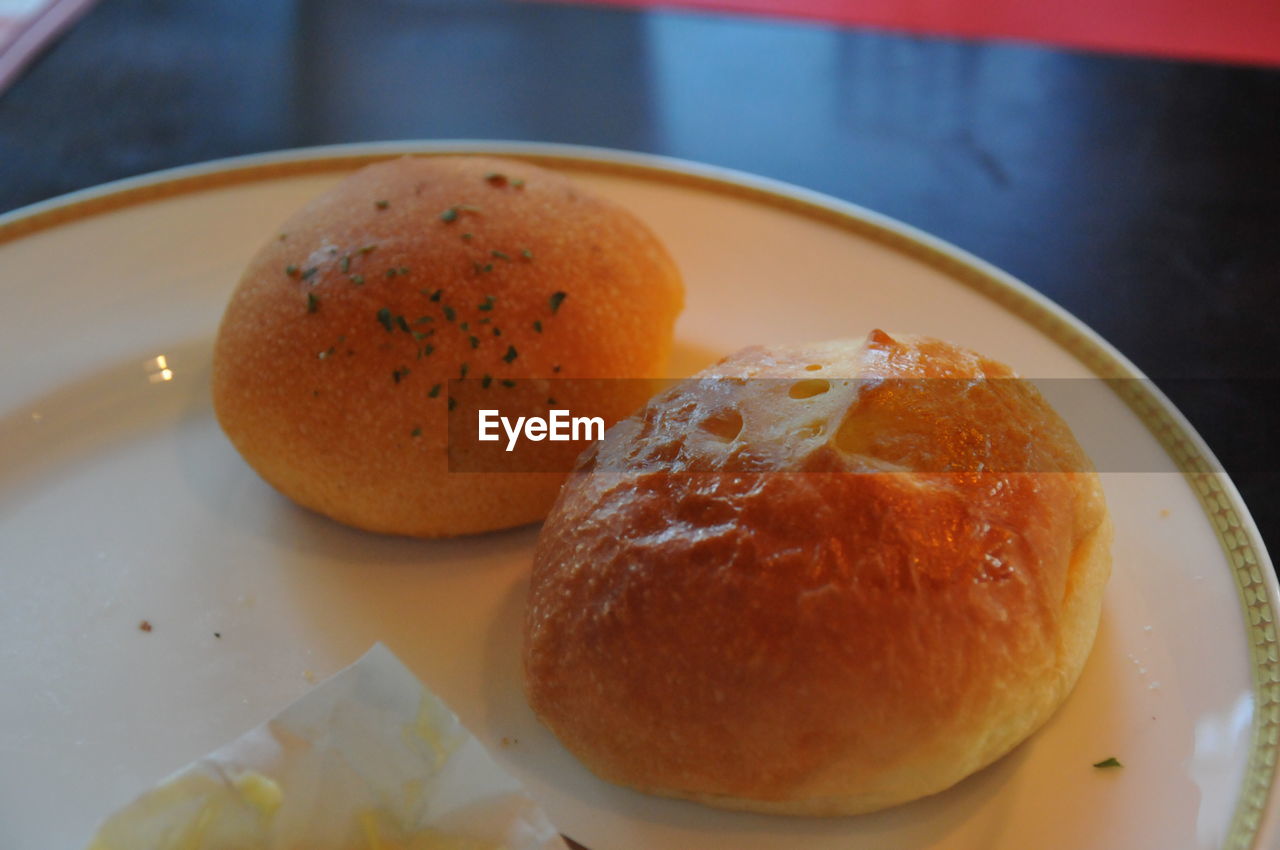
[{"x": 1124, "y": 162}]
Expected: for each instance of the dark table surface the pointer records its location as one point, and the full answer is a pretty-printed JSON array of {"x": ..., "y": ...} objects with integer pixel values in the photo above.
[{"x": 1142, "y": 195}]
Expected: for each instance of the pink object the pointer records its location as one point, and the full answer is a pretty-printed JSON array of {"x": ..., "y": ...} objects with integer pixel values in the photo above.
[
  {"x": 1239, "y": 31},
  {"x": 24, "y": 34}
]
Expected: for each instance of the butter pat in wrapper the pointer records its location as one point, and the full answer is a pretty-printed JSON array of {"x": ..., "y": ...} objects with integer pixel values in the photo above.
[{"x": 369, "y": 760}]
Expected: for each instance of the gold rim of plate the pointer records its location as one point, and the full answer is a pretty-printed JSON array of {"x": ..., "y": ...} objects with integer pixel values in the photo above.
[{"x": 1226, "y": 512}]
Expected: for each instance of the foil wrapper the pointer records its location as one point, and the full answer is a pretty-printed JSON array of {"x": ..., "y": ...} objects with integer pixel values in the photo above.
[{"x": 368, "y": 760}]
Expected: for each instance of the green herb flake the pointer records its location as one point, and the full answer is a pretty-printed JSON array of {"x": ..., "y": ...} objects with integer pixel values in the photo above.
[
  {"x": 497, "y": 331},
  {"x": 466, "y": 326},
  {"x": 526, "y": 253},
  {"x": 422, "y": 320},
  {"x": 400, "y": 374},
  {"x": 1111, "y": 762},
  {"x": 427, "y": 350},
  {"x": 382, "y": 205},
  {"x": 402, "y": 324},
  {"x": 453, "y": 402},
  {"x": 366, "y": 249},
  {"x": 416, "y": 432},
  {"x": 384, "y": 318},
  {"x": 511, "y": 354},
  {"x": 435, "y": 296},
  {"x": 455, "y": 211},
  {"x": 346, "y": 263},
  {"x": 475, "y": 342},
  {"x": 517, "y": 183},
  {"x": 419, "y": 336},
  {"x": 508, "y": 383},
  {"x": 435, "y": 391},
  {"x": 451, "y": 215},
  {"x": 404, "y": 270},
  {"x": 467, "y": 237},
  {"x": 450, "y": 313},
  {"x": 313, "y": 303},
  {"x": 486, "y": 381},
  {"x": 488, "y": 267},
  {"x": 291, "y": 271},
  {"x": 310, "y": 273},
  {"x": 488, "y": 303},
  {"x": 357, "y": 279},
  {"x": 500, "y": 255},
  {"x": 462, "y": 371},
  {"x": 391, "y": 272},
  {"x": 556, "y": 299},
  {"x": 537, "y": 325}
]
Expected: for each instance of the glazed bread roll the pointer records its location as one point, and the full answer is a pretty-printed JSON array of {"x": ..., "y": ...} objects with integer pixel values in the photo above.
[
  {"x": 332, "y": 364},
  {"x": 818, "y": 580}
]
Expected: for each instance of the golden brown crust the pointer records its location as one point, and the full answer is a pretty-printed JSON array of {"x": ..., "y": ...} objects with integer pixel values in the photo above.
[
  {"x": 329, "y": 356},
  {"x": 780, "y": 596}
]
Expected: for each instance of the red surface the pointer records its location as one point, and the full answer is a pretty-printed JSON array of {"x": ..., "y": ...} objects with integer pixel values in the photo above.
[{"x": 1241, "y": 31}]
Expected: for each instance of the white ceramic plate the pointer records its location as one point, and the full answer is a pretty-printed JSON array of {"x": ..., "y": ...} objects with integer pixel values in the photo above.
[{"x": 120, "y": 501}]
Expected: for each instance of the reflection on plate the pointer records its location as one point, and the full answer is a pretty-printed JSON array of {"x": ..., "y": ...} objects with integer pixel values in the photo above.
[{"x": 120, "y": 502}]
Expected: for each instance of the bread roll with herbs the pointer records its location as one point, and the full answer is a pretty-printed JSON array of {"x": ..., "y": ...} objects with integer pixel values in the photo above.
[
  {"x": 818, "y": 579},
  {"x": 332, "y": 363}
]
